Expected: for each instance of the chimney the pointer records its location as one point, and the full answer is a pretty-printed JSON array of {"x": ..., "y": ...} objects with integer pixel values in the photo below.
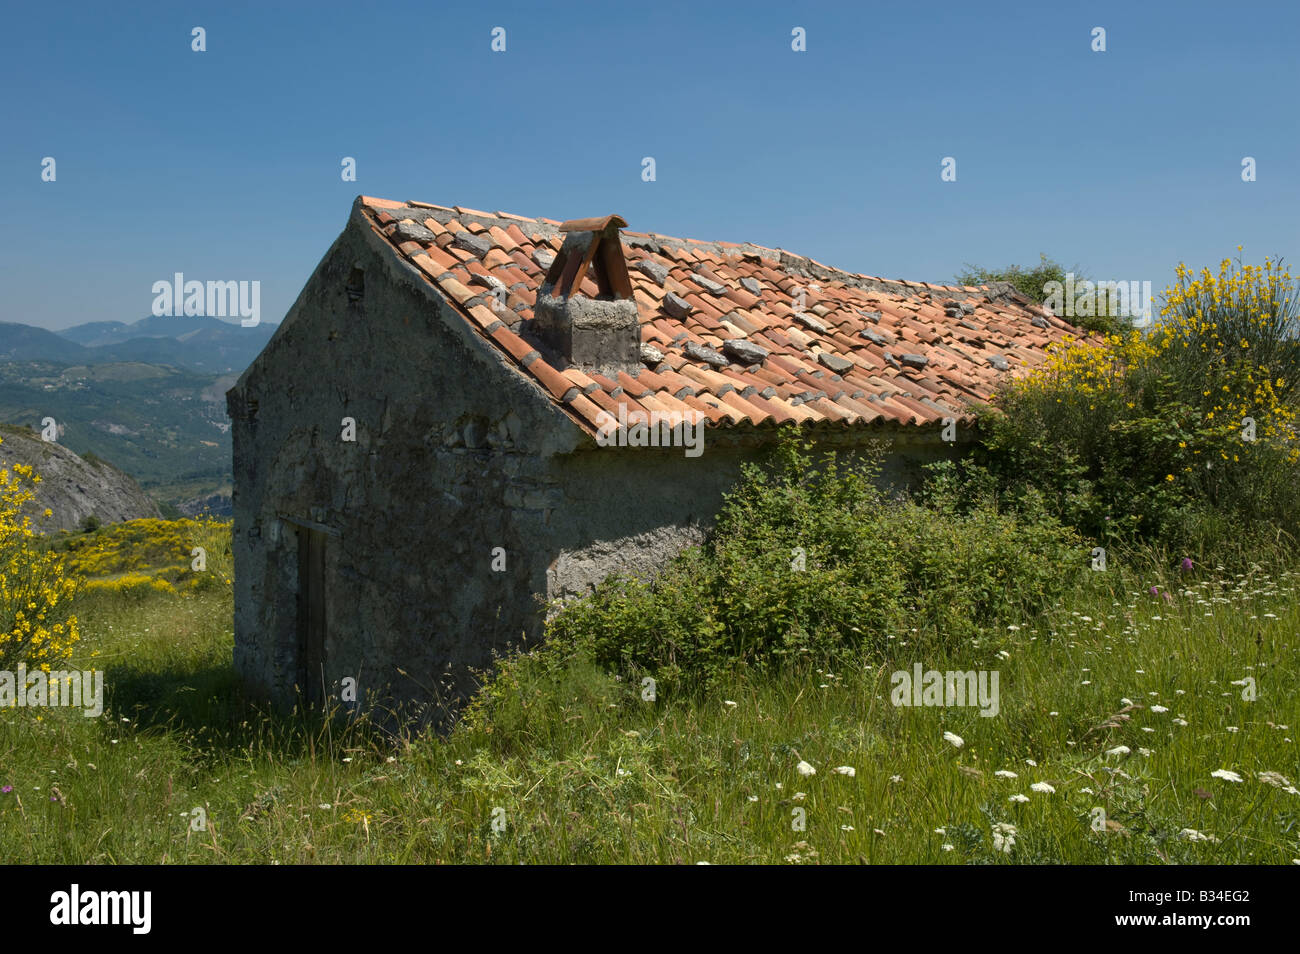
[{"x": 598, "y": 333}]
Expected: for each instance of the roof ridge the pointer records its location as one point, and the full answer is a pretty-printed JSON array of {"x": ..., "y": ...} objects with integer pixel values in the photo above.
[{"x": 791, "y": 262}]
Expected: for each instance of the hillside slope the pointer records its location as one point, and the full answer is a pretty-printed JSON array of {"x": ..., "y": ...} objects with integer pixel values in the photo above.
[
  {"x": 71, "y": 486},
  {"x": 164, "y": 426}
]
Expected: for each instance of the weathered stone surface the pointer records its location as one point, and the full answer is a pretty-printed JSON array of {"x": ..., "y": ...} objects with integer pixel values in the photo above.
[
  {"x": 488, "y": 281},
  {"x": 73, "y": 487},
  {"x": 915, "y": 360},
  {"x": 544, "y": 258},
  {"x": 698, "y": 352},
  {"x": 650, "y": 354},
  {"x": 998, "y": 362},
  {"x": 590, "y": 332},
  {"x": 809, "y": 322},
  {"x": 751, "y": 285},
  {"x": 411, "y": 232},
  {"x": 745, "y": 352},
  {"x": 892, "y": 361},
  {"x": 657, "y": 272},
  {"x": 676, "y": 306},
  {"x": 873, "y": 337},
  {"x": 708, "y": 284},
  {"x": 476, "y": 245},
  {"x": 873, "y": 316},
  {"x": 835, "y": 363},
  {"x": 1038, "y": 321}
]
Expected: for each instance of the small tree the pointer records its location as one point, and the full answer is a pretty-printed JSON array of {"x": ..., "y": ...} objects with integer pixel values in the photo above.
[{"x": 1033, "y": 283}]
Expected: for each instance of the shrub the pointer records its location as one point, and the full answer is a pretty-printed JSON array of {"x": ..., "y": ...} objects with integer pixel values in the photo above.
[
  {"x": 1186, "y": 436},
  {"x": 35, "y": 625},
  {"x": 1033, "y": 282},
  {"x": 115, "y": 558},
  {"x": 815, "y": 562}
]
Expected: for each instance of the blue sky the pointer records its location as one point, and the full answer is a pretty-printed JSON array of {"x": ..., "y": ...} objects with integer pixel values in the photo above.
[{"x": 225, "y": 164}]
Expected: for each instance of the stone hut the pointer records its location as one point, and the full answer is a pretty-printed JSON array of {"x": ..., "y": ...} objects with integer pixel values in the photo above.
[{"x": 466, "y": 414}]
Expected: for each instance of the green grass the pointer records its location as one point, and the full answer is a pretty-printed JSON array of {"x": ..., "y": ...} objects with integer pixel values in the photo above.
[{"x": 580, "y": 769}]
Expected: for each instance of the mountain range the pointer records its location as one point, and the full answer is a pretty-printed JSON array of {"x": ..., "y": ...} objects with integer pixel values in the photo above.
[
  {"x": 147, "y": 397},
  {"x": 194, "y": 344}
]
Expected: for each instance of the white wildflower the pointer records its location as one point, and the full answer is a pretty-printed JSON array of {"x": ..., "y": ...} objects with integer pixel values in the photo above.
[{"x": 1004, "y": 837}]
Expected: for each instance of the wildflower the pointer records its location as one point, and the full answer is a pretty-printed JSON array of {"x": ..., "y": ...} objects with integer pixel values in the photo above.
[
  {"x": 1187, "y": 563},
  {"x": 1159, "y": 709},
  {"x": 1226, "y": 774},
  {"x": 1042, "y": 787},
  {"x": 848, "y": 770},
  {"x": 1275, "y": 779},
  {"x": 1004, "y": 773},
  {"x": 955, "y": 739},
  {"x": 1004, "y": 837},
  {"x": 805, "y": 769},
  {"x": 1119, "y": 750},
  {"x": 1018, "y": 798},
  {"x": 1191, "y": 834},
  {"x": 5, "y": 790}
]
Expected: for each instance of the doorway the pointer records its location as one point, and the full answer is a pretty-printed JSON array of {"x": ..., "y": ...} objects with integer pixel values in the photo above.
[{"x": 311, "y": 614}]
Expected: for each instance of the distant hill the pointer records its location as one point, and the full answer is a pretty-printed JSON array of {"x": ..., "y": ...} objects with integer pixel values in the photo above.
[
  {"x": 164, "y": 425},
  {"x": 26, "y": 343},
  {"x": 73, "y": 487},
  {"x": 194, "y": 344},
  {"x": 148, "y": 395}
]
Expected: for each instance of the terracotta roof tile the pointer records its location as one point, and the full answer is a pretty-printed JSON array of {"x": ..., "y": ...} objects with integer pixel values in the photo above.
[{"x": 719, "y": 281}]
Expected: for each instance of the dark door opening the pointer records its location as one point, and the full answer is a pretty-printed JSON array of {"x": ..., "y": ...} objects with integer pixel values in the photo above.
[{"x": 311, "y": 614}]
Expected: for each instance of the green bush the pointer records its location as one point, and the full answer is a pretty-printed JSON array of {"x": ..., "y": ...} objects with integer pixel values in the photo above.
[
  {"x": 1033, "y": 283},
  {"x": 1183, "y": 439},
  {"x": 815, "y": 562}
]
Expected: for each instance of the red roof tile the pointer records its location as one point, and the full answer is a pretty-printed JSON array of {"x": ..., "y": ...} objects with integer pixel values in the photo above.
[{"x": 791, "y": 383}]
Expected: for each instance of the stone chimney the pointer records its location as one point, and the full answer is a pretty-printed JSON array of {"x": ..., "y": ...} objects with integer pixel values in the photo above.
[{"x": 601, "y": 333}]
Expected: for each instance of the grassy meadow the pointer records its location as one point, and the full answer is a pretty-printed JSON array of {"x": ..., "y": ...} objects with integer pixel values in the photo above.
[{"x": 1117, "y": 699}]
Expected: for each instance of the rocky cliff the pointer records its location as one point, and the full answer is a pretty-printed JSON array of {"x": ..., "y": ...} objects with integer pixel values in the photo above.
[{"x": 73, "y": 487}]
